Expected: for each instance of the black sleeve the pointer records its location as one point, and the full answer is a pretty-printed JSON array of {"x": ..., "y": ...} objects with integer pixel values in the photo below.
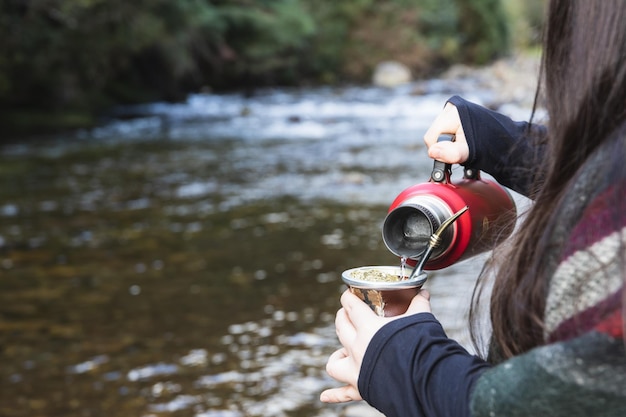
[
  {"x": 510, "y": 151},
  {"x": 411, "y": 368}
]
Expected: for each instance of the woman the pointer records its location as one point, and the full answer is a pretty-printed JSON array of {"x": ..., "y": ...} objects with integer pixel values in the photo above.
[{"x": 557, "y": 306}]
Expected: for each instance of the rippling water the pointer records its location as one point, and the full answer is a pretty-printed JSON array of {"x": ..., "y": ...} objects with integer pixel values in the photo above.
[{"x": 185, "y": 259}]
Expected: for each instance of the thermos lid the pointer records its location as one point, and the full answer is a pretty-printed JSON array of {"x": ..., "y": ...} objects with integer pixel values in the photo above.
[
  {"x": 406, "y": 230},
  {"x": 408, "y": 227}
]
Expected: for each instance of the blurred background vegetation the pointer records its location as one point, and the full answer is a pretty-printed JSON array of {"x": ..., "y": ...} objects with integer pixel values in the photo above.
[{"x": 64, "y": 62}]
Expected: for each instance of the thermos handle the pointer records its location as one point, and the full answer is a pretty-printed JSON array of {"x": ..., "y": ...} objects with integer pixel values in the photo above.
[{"x": 441, "y": 171}]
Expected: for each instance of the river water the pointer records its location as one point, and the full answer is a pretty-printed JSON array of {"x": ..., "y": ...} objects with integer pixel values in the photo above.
[{"x": 186, "y": 261}]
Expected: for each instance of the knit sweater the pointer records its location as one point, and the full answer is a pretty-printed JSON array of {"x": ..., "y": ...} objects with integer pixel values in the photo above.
[{"x": 411, "y": 368}]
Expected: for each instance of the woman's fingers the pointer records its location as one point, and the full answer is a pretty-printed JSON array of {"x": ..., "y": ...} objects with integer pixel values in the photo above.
[
  {"x": 341, "y": 367},
  {"x": 448, "y": 122},
  {"x": 356, "y": 324},
  {"x": 340, "y": 395},
  {"x": 419, "y": 304},
  {"x": 338, "y": 355},
  {"x": 344, "y": 328},
  {"x": 449, "y": 152},
  {"x": 357, "y": 311}
]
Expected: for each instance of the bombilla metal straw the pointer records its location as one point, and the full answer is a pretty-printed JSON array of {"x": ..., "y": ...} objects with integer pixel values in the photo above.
[{"x": 435, "y": 241}]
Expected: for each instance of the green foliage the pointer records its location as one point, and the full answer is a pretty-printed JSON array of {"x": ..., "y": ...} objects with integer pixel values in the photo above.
[
  {"x": 485, "y": 30},
  {"x": 526, "y": 21},
  {"x": 83, "y": 56},
  {"x": 264, "y": 39},
  {"x": 65, "y": 52},
  {"x": 421, "y": 35}
]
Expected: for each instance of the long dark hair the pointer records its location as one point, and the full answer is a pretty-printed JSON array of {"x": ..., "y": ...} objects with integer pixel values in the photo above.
[{"x": 584, "y": 85}]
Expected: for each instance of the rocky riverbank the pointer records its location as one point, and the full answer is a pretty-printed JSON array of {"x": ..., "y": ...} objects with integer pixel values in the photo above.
[
  {"x": 250, "y": 204},
  {"x": 513, "y": 80}
]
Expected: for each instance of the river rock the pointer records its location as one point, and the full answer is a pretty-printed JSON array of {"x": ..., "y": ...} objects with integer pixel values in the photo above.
[
  {"x": 391, "y": 74},
  {"x": 512, "y": 80}
]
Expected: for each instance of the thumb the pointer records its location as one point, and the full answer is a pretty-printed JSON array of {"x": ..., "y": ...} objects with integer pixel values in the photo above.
[
  {"x": 340, "y": 395},
  {"x": 420, "y": 303}
]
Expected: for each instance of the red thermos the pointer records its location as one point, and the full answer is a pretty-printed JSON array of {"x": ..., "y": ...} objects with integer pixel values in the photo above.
[{"x": 418, "y": 211}]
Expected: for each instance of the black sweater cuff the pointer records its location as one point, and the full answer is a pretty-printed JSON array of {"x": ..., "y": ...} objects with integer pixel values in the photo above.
[
  {"x": 509, "y": 151},
  {"x": 411, "y": 368}
]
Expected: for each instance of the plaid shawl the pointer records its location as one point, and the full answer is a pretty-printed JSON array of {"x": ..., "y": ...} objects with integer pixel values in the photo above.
[{"x": 581, "y": 370}]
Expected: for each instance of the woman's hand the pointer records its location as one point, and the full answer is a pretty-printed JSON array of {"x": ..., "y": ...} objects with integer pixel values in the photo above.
[
  {"x": 447, "y": 122},
  {"x": 356, "y": 324}
]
